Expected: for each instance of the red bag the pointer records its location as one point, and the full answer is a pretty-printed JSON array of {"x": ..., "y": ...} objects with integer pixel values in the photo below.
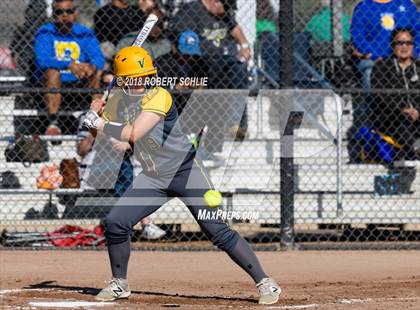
[{"x": 73, "y": 236}]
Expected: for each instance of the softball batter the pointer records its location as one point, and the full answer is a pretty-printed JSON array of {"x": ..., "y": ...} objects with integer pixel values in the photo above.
[{"x": 170, "y": 169}]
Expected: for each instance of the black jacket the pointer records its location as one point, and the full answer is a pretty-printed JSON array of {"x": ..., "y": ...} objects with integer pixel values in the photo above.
[
  {"x": 112, "y": 23},
  {"x": 386, "y": 109}
]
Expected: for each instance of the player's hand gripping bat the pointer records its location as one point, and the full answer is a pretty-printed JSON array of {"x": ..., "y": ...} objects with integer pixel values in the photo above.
[{"x": 92, "y": 119}]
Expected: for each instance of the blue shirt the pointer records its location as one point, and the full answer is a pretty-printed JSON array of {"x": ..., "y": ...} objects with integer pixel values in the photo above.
[
  {"x": 55, "y": 50},
  {"x": 373, "y": 23}
]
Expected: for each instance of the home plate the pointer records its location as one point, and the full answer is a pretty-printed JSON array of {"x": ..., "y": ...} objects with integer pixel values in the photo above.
[{"x": 69, "y": 304}]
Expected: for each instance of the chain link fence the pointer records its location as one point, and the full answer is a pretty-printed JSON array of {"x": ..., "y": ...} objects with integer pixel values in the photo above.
[{"x": 321, "y": 151}]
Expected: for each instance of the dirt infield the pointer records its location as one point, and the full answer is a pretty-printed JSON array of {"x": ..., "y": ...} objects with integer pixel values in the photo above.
[{"x": 208, "y": 280}]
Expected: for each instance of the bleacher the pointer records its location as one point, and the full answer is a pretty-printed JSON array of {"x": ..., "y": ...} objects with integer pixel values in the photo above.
[{"x": 250, "y": 180}]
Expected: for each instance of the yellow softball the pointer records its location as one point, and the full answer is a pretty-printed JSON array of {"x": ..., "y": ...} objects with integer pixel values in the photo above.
[{"x": 213, "y": 198}]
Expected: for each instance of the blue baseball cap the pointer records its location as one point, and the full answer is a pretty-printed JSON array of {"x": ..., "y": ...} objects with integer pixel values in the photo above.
[{"x": 189, "y": 43}]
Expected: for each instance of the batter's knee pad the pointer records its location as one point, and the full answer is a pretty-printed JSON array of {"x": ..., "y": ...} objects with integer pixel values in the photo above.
[
  {"x": 116, "y": 231},
  {"x": 225, "y": 239}
]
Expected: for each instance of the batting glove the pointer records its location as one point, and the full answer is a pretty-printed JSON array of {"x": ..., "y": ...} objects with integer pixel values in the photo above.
[{"x": 92, "y": 120}]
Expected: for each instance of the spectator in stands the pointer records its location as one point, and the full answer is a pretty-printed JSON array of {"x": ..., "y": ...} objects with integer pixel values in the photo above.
[
  {"x": 108, "y": 160},
  {"x": 320, "y": 26},
  {"x": 185, "y": 61},
  {"x": 157, "y": 43},
  {"x": 266, "y": 18},
  {"x": 220, "y": 35},
  {"x": 66, "y": 54},
  {"x": 116, "y": 19},
  {"x": 371, "y": 27},
  {"x": 398, "y": 115},
  {"x": 372, "y": 24},
  {"x": 22, "y": 43}
]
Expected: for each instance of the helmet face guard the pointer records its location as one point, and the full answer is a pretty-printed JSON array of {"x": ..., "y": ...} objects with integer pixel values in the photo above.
[{"x": 127, "y": 91}]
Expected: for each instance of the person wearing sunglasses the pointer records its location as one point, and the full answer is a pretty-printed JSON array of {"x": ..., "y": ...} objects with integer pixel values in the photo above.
[
  {"x": 67, "y": 54},
  {"x": 398, "y": 114},
  {"x": 372, "y": 24},
  {"x": 371, "y": 27}
]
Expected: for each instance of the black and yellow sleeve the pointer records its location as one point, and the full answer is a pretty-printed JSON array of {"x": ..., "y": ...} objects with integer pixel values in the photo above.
[
  {"x": 158, "y": 101},
  {"x": 110, "y": 113}
]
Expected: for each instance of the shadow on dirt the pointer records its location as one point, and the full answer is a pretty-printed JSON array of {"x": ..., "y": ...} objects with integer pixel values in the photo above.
[{"x": 94, "y": 291}]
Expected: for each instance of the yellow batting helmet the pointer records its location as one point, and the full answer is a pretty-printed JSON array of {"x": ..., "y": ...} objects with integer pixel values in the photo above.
[{"x": 133, "y": 61}]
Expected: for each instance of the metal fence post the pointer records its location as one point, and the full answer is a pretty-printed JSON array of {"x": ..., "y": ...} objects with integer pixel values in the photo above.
[
  {"x": 286, "y": 144},
  {"x": 337, "y": 29}
]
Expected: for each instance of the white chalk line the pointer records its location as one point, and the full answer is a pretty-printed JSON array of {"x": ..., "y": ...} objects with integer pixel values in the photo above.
[
  {"x": 295, "y": 306},
  {"x": 19, "y": 290},
  {"x": 73, "y": 304},
  {"x": 69, "y": 304},
  {"x": 55, "y": 304},
  {"x": 344, "y": 301}
]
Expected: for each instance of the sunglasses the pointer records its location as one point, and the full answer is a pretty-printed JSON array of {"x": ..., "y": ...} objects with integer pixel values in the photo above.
[
  {"x": 401, "y": 43},
  {"x": 59, "y": 12}
]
